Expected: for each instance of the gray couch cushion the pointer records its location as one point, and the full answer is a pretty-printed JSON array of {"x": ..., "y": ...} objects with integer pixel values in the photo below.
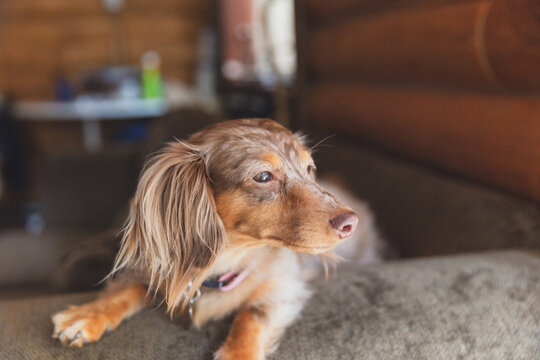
[{"x": 478, "y": 306}]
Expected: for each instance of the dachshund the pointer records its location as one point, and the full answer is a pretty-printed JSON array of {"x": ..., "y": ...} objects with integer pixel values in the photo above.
[{"x": 218, "y": 224}]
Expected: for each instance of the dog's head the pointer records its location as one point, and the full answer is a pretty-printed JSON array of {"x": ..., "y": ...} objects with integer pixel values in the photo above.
[{"x": 248, "y": 182}]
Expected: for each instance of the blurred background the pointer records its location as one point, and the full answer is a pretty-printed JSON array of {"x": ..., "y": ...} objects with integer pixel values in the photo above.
[{"x": 433, "y": 106}]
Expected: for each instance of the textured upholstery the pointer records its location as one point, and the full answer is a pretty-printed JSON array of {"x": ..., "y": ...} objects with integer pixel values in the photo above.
[{"x": 476, "y": 306}]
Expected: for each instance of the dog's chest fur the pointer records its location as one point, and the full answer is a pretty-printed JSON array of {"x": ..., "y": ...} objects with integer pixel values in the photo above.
[{"x": 273, "y": 271}]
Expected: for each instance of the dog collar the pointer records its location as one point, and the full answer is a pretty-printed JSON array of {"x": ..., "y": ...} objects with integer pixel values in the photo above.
[
  {"x": 228, "y": 281},
  {"x": 225, "y": 282},
  {"x": 213, "y": 284}
]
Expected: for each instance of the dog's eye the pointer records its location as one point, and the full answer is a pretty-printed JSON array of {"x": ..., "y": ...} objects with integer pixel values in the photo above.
[
  {"x": 310, "y": 169},
  {"x": 263, "y": 177}
]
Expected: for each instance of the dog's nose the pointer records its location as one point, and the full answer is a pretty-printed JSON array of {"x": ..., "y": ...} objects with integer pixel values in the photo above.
[{"x": 345, "y": 224}]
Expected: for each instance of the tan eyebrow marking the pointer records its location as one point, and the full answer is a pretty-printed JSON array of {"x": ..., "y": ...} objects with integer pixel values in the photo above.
[
  {"x": 304, "y": 155},
  {"x": 272, "y": 159}
]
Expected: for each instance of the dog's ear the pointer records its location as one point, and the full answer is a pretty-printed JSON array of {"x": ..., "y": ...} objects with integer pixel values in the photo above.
[
  {"x": 301, "y": 138},
  {"x": 173, "y": 233}
]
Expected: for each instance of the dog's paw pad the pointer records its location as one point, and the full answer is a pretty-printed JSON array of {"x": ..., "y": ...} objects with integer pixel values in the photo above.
[{"x": 79, "y": 325}]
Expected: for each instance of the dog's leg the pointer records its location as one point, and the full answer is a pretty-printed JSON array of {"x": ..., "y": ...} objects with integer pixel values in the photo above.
[
  {"x": 256, "y": 331},
  {"x": 246, "y": 339},
  {"x": 80, "y": 324}
]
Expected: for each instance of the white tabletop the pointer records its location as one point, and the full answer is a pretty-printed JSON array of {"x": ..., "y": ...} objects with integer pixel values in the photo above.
[{"x": 90, "y": 109}]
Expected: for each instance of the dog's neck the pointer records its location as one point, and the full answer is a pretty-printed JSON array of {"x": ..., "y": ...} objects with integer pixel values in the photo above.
[
  {"x": 227, "y": 281},
  {"x": 235, "y": 264}
]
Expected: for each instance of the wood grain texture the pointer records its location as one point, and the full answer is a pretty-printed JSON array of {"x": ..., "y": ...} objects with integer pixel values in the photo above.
[
  {"x": 321, "y": 12},
  {"x": 35, "y": 9},
  {"x": 493, "y": 139},
  {"x": 512, "y": 40},
  {"x": 483, "y": 45},
  {"x": 41, "y": 40}
]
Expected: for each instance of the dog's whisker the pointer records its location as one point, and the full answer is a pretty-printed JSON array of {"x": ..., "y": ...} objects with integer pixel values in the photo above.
[{"x": 313, "y": 148}]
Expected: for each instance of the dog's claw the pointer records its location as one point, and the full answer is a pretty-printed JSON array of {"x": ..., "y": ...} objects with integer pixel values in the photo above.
[
  {"x": 77, "y": 341},
  {"x": 64, "y": 339}
]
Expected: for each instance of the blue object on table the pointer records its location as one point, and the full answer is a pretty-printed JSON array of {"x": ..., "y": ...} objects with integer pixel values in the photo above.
[
  {"x": 63, "y": 89},
  {"x": 133, "y": 133}
]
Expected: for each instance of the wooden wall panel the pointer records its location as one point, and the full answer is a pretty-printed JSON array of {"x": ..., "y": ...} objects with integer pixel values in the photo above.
[
  {"x": 491, "y": 138},
  {"x": 40, "y": 40},
  {"x": 468, "y": 45},
  {"x": 453, "y": 83},
  {"x": 323, "y": 11},
  {"x": 24, "y": 9},
  {"x": 513, "y": 43},
  {"x": 17, "y": 9}
]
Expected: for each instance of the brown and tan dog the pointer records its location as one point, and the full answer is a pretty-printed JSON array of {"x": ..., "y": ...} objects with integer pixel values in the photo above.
[{"x": 221, "y": 220}]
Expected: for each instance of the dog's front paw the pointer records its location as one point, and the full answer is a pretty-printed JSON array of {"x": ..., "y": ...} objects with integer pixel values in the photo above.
[{"x": 79, "y": 325}]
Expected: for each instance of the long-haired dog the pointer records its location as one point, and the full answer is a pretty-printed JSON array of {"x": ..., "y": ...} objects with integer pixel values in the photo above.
[{"x": 217, "y": 225}]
